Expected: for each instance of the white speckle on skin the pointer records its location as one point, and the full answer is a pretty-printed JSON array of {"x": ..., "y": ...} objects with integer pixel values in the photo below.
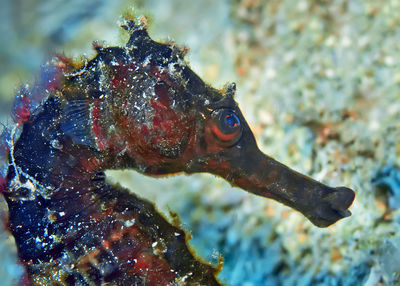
[{"x": 129, "y": 223}]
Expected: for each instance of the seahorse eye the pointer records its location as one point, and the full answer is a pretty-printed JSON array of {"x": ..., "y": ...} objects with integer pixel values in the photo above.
[
  {"x": 227, "y": 127},
  {"x": 231, "y": 120}
]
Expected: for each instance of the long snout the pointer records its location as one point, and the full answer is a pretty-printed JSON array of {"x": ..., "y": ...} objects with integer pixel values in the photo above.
[
  {"x": 246, "y": 167},
  {"x": 263, "y": 176}
]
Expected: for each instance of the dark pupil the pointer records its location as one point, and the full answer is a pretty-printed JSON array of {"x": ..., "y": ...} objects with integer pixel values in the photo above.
[{"x": 232, "y": 120}]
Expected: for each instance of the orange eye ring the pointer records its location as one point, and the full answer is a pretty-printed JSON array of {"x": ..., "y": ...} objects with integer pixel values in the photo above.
[{"x": 226, "y": 126}]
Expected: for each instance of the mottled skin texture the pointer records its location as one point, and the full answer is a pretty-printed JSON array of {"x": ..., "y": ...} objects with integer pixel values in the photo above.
[{"x": 137, "y": 107}]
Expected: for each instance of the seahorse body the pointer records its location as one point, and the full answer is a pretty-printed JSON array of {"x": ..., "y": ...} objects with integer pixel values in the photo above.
[{"x": 141, "y": 107}]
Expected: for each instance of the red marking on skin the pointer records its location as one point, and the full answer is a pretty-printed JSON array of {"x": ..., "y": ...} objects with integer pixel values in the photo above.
[
  {"x": 162, "y": 93},
  {"x": 97, "y": 128},
  {"x": 55, "y": 81},
  {"x": 212, "y": 163},
  {"x": 121, "y": 74},
  {"x": 22, "y": 108},
  {"x": 162, "y": 76},
  {"x": 167, "y": 124},
  {"x": 127, "y": 242},
  {"x": 241, "y": 181},
  {"x": 254, "y": 183},
  {"x": 223, "y": 136},
  {"x": 212, "y": 143},
  {"x": 167, "y": 130},
  {"x": 3, "y": 183},
  {"x": 160, "y": 276},
  {"x": 139, "y": 147},
  {"x": 25, "y": 281},
  {"x": 222, "y": 168},
  {"x": 191, "y": 149},
  {"x": 91, "y": 164},
  {"x": 117, "y": 82},
  {"x": 144, "y": 131},
  {"x": 106, "y": 245},
  {"x": 116, "y": 236}
]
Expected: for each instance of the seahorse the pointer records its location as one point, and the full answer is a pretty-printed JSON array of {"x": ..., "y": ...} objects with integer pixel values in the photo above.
[{"x": 140, "y": 107}]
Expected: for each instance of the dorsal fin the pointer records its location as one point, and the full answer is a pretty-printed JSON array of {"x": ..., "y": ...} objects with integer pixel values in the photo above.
[{"x": 75, "y": 122}]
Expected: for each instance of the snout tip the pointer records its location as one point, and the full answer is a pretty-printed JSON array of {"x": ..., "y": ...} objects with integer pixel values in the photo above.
[
  {"x": 342, "y": 198},
  {"x": 344, "y": 213},
  {"x": 335, "y": 206}
]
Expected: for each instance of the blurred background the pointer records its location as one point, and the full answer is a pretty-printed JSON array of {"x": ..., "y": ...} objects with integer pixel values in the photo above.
[{"x": 319, "y": 82}]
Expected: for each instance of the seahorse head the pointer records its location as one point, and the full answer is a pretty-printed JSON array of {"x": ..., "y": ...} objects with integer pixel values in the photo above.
[
  {"x": 142, "y": 107},
  {"x": 144, "y": 103}
]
